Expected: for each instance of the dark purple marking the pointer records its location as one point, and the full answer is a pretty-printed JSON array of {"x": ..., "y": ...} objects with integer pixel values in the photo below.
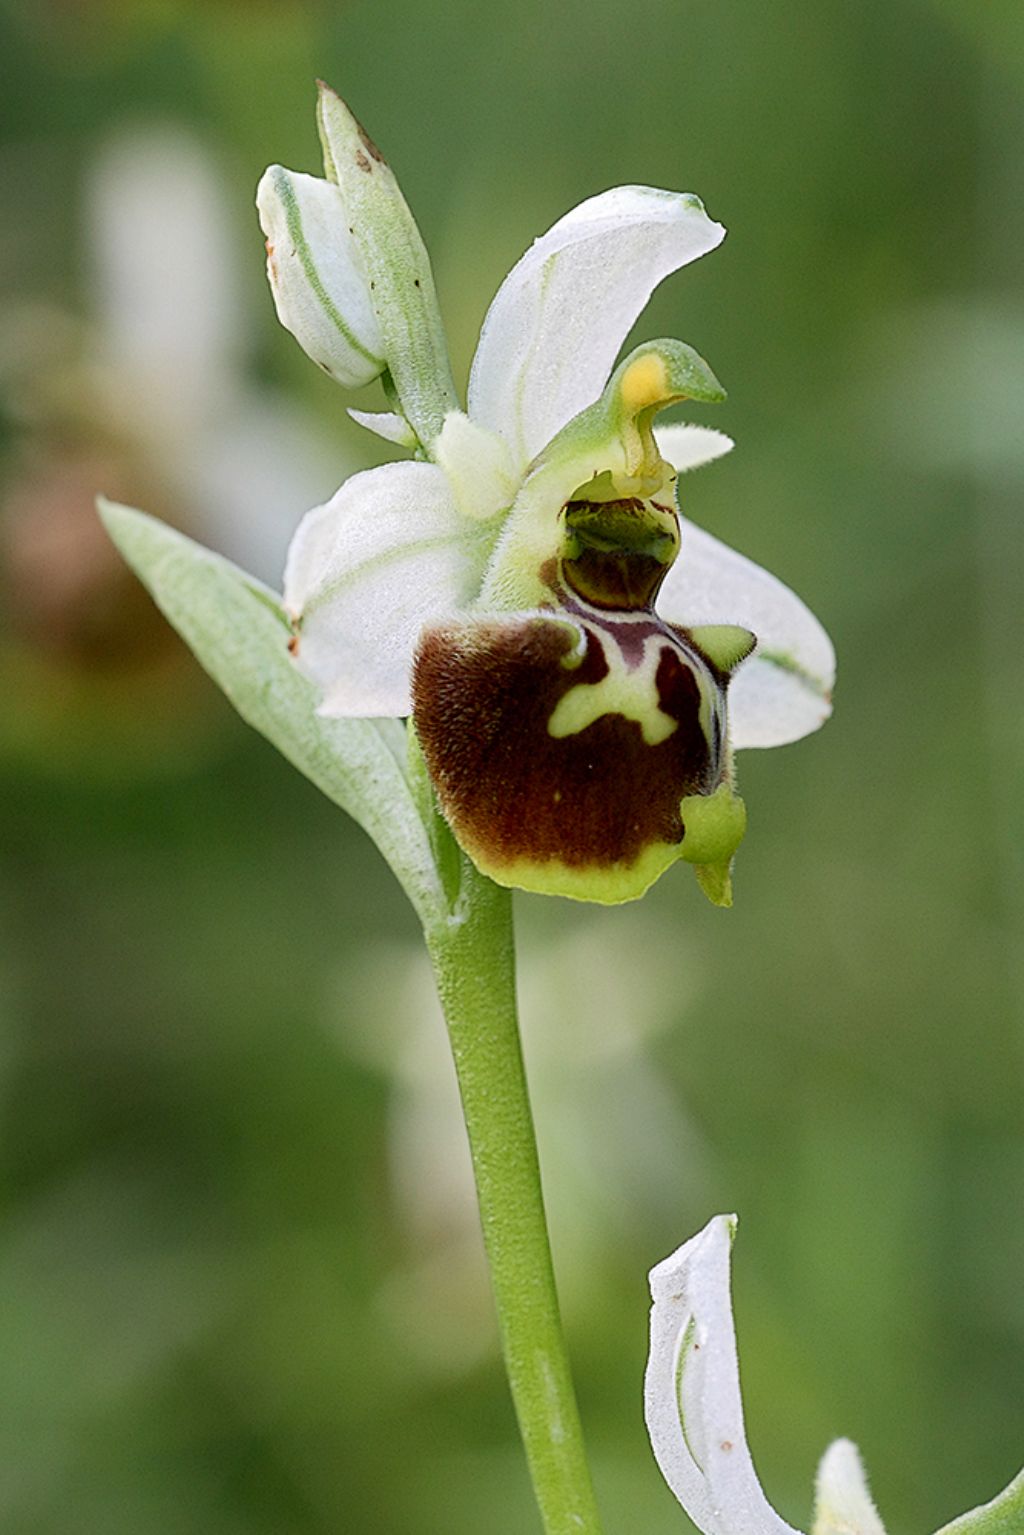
[{"x": 483, "y": 694}]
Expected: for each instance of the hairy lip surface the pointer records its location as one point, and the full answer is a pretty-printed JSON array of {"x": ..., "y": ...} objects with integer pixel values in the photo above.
[{"x": 484, "y": 693}]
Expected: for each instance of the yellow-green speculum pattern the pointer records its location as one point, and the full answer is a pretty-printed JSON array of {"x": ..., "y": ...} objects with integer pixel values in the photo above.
[{"x": 577, "y": 741}]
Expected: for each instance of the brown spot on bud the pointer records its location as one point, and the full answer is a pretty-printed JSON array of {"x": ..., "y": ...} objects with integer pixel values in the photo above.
[
  {"x": 484, "y": 692},
  {"x": 293, "y": 645},
  {"x": 370, "y": 146},
  {"x": 362, "y": 162}
]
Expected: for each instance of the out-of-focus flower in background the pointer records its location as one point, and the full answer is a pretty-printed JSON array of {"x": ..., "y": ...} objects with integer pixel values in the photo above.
[
  {"x": 594, "y": 1079},
  {"x": 147, "y": 394}
]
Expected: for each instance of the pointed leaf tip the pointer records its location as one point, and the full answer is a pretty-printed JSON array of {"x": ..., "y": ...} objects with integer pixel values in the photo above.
[
  {"x": 396, "y": 265},
  {"x": 340, "y": 124}
]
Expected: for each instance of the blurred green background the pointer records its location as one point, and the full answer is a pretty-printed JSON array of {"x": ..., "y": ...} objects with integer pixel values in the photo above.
[{"x": 240, "y": 1281}]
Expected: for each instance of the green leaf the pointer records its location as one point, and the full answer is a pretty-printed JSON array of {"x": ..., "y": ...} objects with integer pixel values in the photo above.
[
  {"x": 239, "y": 632},
  {"x": 1003, "y": 1516},
  {"x": 397, "y": 268}
]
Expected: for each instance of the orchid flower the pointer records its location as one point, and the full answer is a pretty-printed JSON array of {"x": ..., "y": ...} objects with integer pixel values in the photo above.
[
  {"x": 695, "y": 1415},
  {"x": 500, "y": 586}
]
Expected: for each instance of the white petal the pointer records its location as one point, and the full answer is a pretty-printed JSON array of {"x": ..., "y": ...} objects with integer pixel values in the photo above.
[
  {"x": 320, "y": 288},
  {"x": 692, "y": 1401},
  {"x": 386, "y": 555},
  {"x": 559, "y": 318},
  {"x": 686, "y": 446},
  {"x": 843, "y": 1504},
  {"x": 386, "y": 424},
  {"x": 478, "y": 465},
  {"x": 784, "y": 691}
]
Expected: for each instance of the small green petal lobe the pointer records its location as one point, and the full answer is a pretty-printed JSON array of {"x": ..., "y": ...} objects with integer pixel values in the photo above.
[
  {"x": 715, "y": 824},
  {"x": 726, "y": 645}
]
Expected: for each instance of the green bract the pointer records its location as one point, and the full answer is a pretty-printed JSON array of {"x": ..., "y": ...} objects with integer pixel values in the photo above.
[{"x": 581, "y": 663}]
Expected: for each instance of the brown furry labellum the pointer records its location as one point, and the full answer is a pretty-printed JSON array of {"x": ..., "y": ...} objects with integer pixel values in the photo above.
[{"x": 561, "y": 746}]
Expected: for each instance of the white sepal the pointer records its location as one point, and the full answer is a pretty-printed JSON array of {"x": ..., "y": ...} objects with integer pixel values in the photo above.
[
  {"x": 692, "y": 1401},
  {"x": 478, "y": 465},
  {"x": 687, "y": 446},
  {"x": 843, "y": 1503},
  {"x": 387, "y": 424},
  {"x": 558, "y": 320},
  {"x": 784, "y": 691},
  {"x": 387, "y": 555},
  {"x": 317, "y": 275}
]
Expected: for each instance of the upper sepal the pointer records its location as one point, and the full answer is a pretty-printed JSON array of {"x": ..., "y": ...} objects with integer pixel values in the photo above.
[
  {"x": 553, "y": 331},
  {"x": 316, "y": 273}
]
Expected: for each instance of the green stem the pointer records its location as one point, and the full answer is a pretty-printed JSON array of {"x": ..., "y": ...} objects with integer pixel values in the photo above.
[{"x": 474, "y": 962}]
